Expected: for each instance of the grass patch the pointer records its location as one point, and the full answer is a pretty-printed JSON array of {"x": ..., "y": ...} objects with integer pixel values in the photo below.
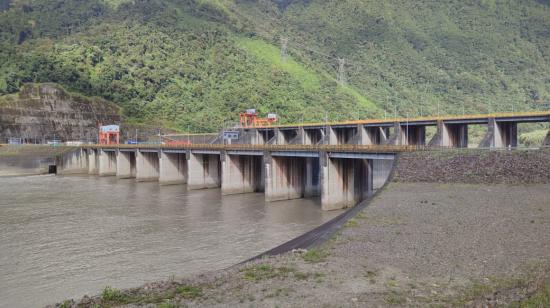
[
  {"x": 394, "y": 299},
  {"x": 534, "y": 138},
  {"x": 271, "y": 54},
  {"x": 301, "y": 276},
  {"x": 189, "y": 292},
  {"x": 315, "y": 256},
  {"x": 539, "y": 299},
  {"x": 66, "y": 304},
  {"x": 110, "y": 294},
  {"x": 260, "y": 272},
  {"x": 266, "y": 271},
  {"x": 478, "y": 289},
  {"x": 360, "y": 98},
  {"x": 351, "y": 223},
  {"x": 166, "y": 305},
  {"x": 278, "y": 292},
  {"x": 391, "y": 283}
]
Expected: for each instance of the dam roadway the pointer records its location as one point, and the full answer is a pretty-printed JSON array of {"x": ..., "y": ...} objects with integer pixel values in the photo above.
[{"x": 343, "y": 162}]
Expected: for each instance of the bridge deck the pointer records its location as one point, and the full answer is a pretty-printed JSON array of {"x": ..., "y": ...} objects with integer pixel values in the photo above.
[{"x": 520, "y": 117}]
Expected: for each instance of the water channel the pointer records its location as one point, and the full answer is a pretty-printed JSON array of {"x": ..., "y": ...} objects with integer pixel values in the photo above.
[{"x": 64, "y": 237}]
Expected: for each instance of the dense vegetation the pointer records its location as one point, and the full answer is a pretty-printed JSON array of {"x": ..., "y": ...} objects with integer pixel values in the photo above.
[{"x": 196, "y": 63}]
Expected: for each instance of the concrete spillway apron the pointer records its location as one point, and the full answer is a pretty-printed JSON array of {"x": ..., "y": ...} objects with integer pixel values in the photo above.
[{"x": 324, "y": 232}]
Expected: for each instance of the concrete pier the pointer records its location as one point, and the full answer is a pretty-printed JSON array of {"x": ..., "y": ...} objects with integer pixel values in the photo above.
[
  {"x": 288, "y": 136},
  {"x": 126, "y": 164},
  {"x": 311, "y": 136},
  {"x": 372, "y": 135},
  {"x": 342, "y": 135},
  {"x": 284, "y": 178},
  {"x": 107, "y": 163},
  {"x": 173, "y": 168},
  {"x": 345, "y": 182},
  {"x": 506, "y": 135},
  {"x": 395, "y": 137},
  {"x": 451, "y": 135},
  {"x": 74, "y": 162},
  {"x": 147, "y": 166},
  {"x": 93, "y": 161},
  {"x": 204, "y": 171},
  {"x": 500, "y": 135},
  {"x": 252, "y": 136},
  {"x": 412, "y": 135},
  {"x": 242, "y": 174}
]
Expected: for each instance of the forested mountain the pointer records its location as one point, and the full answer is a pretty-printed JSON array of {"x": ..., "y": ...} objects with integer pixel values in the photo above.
[{"x": 196, "y": 63}]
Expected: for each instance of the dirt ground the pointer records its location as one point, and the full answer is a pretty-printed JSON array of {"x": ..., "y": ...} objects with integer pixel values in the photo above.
[{"x": 416, "y": 244}]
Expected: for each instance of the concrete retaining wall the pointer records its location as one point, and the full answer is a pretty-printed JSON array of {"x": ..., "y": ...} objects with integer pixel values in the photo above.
[{"x": 475, "y": 166}]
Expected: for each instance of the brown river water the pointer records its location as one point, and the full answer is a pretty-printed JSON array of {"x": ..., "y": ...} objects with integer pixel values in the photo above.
[{"x": 64, "y": 237}]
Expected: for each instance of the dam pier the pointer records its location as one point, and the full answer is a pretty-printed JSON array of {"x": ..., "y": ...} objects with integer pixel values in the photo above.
[
  {"x": 342, "y": 176},
  {"x": 343, "y": 163}
]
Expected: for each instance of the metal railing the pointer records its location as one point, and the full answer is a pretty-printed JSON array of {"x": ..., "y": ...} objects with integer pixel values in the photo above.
[{"x": 269, "y": 147}]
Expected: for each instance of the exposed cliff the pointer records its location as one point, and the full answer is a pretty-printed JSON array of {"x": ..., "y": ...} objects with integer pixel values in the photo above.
[{"x": 41, "y": 112}]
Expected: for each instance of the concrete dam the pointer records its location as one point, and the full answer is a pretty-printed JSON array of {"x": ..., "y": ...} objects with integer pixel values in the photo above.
[
  {"x": 341, "y": 179},
  {"x": 343, "y": 163}
]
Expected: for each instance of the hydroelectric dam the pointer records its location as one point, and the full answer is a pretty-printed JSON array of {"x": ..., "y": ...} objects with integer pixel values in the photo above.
[{"x": 343, "y": 163}]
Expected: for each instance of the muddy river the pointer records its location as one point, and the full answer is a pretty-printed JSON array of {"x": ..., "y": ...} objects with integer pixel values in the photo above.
[{"x": 64, "y": 237}]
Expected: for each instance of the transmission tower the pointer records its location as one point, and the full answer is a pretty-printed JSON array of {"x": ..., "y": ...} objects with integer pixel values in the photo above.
[
  {"x": 284, "y": 49},
  {"x": 341, "y": 71}
]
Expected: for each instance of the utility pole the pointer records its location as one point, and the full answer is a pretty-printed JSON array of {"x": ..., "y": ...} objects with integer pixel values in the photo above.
[
  {"x": 284, "y": 49},
  {"x": 341, "y": 71},
  {"x": 407, "y": 137},
  {"x": 160, "y": 137},
  {"x": 386, "y": 108},
  {"x": 325, "y": 141}
]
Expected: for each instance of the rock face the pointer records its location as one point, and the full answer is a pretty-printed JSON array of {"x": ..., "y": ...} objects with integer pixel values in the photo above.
[{"x": 42, "y": 112}]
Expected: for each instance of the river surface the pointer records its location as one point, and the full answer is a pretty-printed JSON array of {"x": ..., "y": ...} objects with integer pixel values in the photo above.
[{"x": 64, "y": 237}]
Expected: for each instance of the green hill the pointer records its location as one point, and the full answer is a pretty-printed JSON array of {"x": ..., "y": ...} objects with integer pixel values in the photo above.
[{"x": 197, "y": 63}]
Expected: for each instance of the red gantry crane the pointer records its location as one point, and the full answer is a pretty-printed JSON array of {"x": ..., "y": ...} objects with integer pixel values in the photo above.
[{"x": 250, "y": 119}]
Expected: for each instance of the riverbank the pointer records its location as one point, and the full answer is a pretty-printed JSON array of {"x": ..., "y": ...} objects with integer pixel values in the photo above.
[{"x": 417, "y": 243}]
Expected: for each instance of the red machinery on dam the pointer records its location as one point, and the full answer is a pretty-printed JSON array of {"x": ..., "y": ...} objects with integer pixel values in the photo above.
[
  {"x": 251, "y": 119},
  {"x": 109, "y": 134}
]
